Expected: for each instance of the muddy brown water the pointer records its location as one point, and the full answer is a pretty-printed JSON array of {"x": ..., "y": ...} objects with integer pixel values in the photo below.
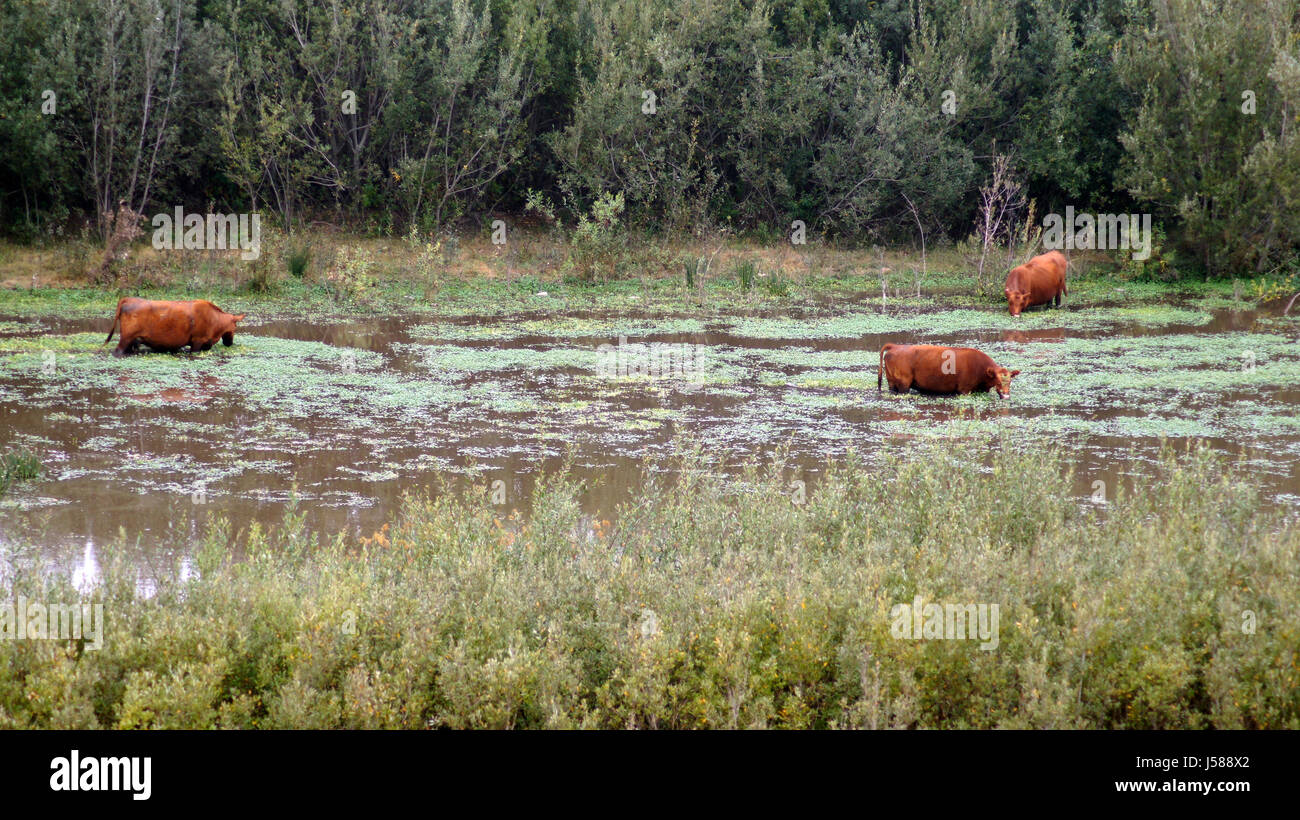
[{"x": 351, "y": 481}]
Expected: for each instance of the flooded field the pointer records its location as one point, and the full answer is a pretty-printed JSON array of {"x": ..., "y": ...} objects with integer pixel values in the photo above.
[{"x": 343, "y": 416}]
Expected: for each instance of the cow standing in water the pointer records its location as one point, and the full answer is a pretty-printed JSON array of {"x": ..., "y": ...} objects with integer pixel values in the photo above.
[
  {"x": 939, "y": 369},
  {"x": 1037, "y": 282},
  {"x": 170, "y": 326}
]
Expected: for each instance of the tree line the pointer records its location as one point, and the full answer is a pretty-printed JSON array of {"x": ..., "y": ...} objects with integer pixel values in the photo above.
[{"x": 872, "y": 121}]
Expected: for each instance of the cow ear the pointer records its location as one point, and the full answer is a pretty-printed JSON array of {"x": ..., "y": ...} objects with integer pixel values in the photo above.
[
  {"x": 992, "y": 373},
  {"x": 240, "y": 316},
  {"x": 1014, "y": 373}
]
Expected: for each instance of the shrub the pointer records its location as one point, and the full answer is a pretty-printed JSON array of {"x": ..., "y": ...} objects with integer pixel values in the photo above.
[
  {"x": 1199, "y": 147},
  {"x": 714, "y": 602},
  {"x": 1160, "y": 266},
  {"x": 297, "y": 260},
  {"x": 745, "y": 274},
  {"x": 598, "y": 239},
  {"x": 350, "y": 277},
  {"x": 777, "y": 285}
]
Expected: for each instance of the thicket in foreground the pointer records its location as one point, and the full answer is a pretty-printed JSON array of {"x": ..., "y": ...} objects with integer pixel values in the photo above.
[{"x": 714, "y": 603}]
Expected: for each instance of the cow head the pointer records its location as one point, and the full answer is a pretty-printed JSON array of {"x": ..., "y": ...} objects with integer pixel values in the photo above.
[
  {"x": 1000, "y": 378},
  {"x": 1017, "y": 300},
  {"x": 228, "y": 328}
]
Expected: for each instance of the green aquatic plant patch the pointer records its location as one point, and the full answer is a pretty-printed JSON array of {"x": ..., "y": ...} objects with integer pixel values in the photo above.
[
  {"x": 562, "y": 327},
  {"x": 918, "y": 326}
]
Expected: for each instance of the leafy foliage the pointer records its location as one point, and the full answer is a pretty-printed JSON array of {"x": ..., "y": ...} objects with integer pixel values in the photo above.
[
  {"x": 871, "y": 122},
  {"x": 702, "y": 606}
]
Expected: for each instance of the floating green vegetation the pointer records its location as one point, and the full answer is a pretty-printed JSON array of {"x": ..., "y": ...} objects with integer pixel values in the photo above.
[
  {"x": 1135, "y": 371},
  {"x": 454, "y": 362},
  {"x": 107, "y": 444},
  {"x": 1185, "y": 382},
  {"x": 610, "y": 328},
  {"x": 1289, "y": 322},
  {"x": 1224, "y": 303},
  {"x": 836, "y": 378},
  {"x": 948, "y": 322},
  {"x": 242, "y": 419},
  {"x": 74, "y": 343},
  {"x": 1183, "y": 385},
  {"x": 648, "y": 363},
  {"x": 819, "y": 400},
  {"x": 262, "y": 374}
]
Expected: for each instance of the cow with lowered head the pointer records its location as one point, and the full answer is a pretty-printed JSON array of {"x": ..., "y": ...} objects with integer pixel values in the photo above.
[
  {"x": 1037, "y": 282},
  {"x": 170, "y": 326},
  {"x": 939, "y": 369}
]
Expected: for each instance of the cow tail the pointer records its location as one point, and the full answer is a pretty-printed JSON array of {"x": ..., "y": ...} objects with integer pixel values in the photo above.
[
  {"x": 880, "y": 374},
  {"x": 117, "y": 319}
]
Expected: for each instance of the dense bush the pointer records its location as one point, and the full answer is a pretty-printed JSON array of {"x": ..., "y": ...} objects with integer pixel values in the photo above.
[
  {"x": 1214, "y": 141},
  {"x": 712, "y": 603},
  {"x": 868, "y": 121}
]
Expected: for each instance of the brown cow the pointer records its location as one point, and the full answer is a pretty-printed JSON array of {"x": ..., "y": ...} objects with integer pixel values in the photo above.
[
  {"x": 938, "y": 369},
  {"x": 170, "y": 326},
  {"x": 1037, "y": 282}
]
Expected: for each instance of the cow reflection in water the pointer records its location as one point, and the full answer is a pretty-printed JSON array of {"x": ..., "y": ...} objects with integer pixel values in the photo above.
[
  {"x": 1024, "y": 336},
  {"x": 203, "y": 389}
]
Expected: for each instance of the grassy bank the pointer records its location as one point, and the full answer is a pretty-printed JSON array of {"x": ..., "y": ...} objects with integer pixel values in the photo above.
[
  {"x": 712, "y": 604},
  {"x": 318, "y": 274}
]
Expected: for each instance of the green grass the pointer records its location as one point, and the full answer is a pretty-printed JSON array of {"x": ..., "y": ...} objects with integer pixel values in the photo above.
[
  {"x": 712, "y": 603},
  {"x": 306, "y": 296},
  {"x": 17, "y": 466}
]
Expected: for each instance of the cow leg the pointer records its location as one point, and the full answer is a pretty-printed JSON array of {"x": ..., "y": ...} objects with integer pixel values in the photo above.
[{"x": 126, "y": 345}]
